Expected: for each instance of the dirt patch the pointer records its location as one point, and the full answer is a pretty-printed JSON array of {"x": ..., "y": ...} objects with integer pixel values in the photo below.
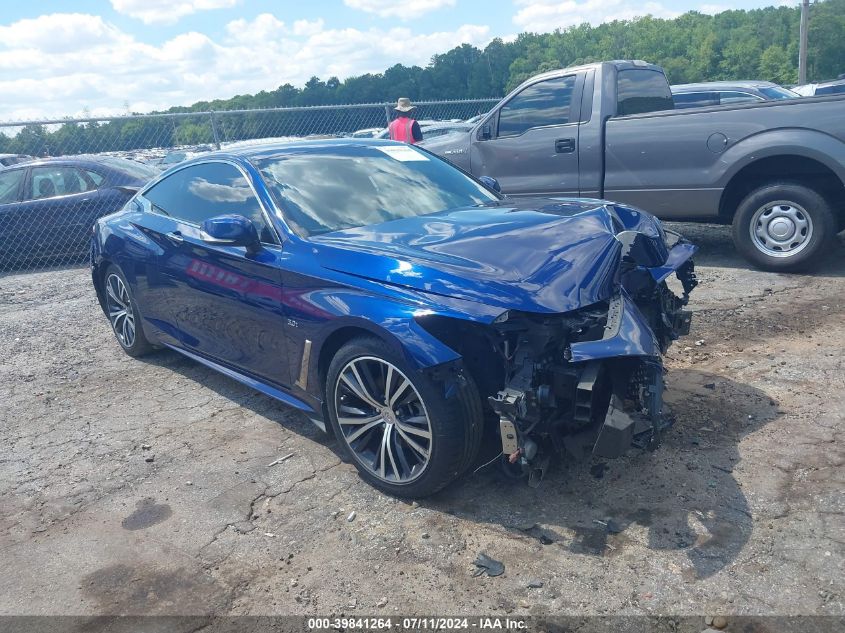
[{"x": 147, "y": 514}]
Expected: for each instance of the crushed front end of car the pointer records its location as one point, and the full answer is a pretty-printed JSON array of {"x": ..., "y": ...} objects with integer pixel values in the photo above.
[{"x": 590, "y": 381}]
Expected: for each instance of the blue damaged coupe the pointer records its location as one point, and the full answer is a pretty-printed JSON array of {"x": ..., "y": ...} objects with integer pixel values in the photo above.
[{"x": 404, "y": 306}]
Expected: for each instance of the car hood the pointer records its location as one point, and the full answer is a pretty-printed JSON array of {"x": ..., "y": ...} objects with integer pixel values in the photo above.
[{"x": 534, "y": 255}]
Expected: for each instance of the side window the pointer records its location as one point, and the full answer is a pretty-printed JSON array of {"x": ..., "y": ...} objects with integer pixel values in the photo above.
[
  {"x": 694, "y": 99},
  {"x": 96, "y": 178},
  {"x": 50, "y": 182},
  {"x": 544, "y": 103},
  {"x": 641, "y": 90},
  {"x": 10, "y": 185},
  {"x": 732, "y": 96},
  {"x": 200, "y": 192}
]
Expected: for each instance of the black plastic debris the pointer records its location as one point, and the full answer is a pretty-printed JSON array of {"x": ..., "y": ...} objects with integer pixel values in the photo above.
[
  {"x": 489, "y": 565},
  {"x": 597, "y": 470}
]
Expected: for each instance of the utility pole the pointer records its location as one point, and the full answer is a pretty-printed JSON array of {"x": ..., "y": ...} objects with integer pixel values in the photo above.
[{"x": 802, "y": 43}]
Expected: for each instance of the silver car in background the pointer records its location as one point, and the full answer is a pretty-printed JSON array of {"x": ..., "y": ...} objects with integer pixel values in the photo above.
[{"x": 715, "y": 93}]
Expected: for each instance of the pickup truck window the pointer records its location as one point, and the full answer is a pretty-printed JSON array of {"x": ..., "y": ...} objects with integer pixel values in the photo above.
[
  {"x": 541, "y": 104},
  {"x": 642, "y": 90}
]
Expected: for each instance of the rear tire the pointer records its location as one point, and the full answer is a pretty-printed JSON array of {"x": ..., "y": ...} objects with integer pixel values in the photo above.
[
  {"x": 123, "y": 314},
  {"x": 406, "y": 440},
  {"x": 783, "y": 227}
]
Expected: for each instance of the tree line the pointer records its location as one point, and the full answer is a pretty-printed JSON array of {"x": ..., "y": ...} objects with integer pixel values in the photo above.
[{"x": 741, "y": 44}]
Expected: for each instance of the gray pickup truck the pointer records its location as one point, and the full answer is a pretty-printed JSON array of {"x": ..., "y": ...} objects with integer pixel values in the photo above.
[{"x": 776, "y": 169}]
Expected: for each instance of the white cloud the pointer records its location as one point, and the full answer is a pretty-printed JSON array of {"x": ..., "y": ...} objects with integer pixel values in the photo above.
[
  {"x": 267, "y": 28},
  {"x": 402, "y": 9},
  {"x": 542, "y": 16},
  {"x": 59, "y": 33},
  {"x": 167, "y": 11},
  {"x": 713, "y": 9},
  {"x": 264, "y": 28},
  {"x": 56, "y": 70},
  {"x": 345, "y": 52},
  {"x": 308, "y": 27}
]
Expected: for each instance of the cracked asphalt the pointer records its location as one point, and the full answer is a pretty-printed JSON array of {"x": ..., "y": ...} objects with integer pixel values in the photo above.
[{"x": 146, "y": 486}]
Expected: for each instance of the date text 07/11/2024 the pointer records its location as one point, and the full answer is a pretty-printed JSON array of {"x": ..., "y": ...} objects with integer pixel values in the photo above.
[{"x": 413, "y": 624}]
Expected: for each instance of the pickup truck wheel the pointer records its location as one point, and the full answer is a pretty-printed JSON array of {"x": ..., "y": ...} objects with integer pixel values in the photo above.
[
  {"x": 404, "y": 435},
  {"x": 783, "y": 227}
]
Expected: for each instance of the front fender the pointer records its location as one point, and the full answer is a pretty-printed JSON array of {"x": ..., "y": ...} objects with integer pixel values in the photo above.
[
  {"x": 391, "y": 322},
  {"x": 320, "y": 316}
]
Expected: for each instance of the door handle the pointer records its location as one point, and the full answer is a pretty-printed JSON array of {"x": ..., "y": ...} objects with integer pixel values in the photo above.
[
  {"x": 565, "y": 145},
  {"x": 175, "y": 237}
]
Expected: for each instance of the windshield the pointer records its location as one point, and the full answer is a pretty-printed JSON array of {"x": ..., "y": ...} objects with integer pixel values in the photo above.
[
  {"x": 324, "y": 189},
  {"x": 776, "y": 92}
]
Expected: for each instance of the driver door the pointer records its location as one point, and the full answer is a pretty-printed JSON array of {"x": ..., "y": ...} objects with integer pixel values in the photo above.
[
  {"x": 226, "y": 304},
  {"x": 530, "y": 145}
]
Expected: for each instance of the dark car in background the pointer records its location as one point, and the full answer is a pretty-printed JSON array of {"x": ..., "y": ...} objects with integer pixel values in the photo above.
[
  {"x": 47, "y": 207},
  {"x": 13, "y": 159},
  {"x": 835, "y": 87},
  {"x": 715, "y": 93}
]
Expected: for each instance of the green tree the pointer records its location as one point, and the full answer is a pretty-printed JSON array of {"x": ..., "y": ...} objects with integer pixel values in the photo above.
[{"x": 776, "y": 66}]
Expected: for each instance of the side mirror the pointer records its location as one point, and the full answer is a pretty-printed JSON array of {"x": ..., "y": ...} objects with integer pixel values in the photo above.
[
  {"x": 231, "y": 230},
  {"x": 490, "y": 183},
  {"x": 486, "y": 132}
]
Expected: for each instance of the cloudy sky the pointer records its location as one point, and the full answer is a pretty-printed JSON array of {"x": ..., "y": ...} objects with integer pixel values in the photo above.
[{"x": 65, "y": 57}]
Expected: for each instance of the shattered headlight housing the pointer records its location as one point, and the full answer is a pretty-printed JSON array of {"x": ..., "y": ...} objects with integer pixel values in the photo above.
[{"x": 642, "y": 249}]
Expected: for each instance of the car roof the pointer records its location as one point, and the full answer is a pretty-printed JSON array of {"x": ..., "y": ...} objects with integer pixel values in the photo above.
[
  {"x": 722, "y": 85},
  {"x": 265, "y": 150},
  {"x": 65, "y": 160},
  {"x": 106, "y": 163},
  {"x": 831, "y": 82}
]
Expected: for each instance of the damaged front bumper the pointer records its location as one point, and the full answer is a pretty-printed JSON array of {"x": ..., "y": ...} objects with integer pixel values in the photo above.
[{"x": 591, "y": 385}]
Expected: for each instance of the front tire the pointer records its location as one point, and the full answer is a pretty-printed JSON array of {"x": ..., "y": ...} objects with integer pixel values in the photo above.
[
  {"x": 122, "y": 312},
  {"x": 783, "y": 227},
  {"x": 406, "y": 435}
]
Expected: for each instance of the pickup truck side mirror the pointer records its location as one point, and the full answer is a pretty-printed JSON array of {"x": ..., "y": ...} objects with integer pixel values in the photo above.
[{"x": 486, "y": 132}]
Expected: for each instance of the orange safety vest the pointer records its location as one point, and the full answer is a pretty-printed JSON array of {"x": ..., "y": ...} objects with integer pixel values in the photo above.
[{"x": 401, "y": 129}]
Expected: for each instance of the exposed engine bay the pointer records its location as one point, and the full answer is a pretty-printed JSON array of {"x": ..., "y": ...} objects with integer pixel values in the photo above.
[{"x": 588, "y": 382}]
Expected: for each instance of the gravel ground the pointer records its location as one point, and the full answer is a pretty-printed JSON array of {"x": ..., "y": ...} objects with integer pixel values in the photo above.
[{"x": 145, "y": 487}]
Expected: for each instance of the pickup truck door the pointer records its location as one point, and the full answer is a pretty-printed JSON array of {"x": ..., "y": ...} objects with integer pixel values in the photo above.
[{"x": 530, "y": 142}]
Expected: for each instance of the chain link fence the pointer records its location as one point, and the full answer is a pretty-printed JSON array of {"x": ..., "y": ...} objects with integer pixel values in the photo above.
[{"x": 96, "y": 164}]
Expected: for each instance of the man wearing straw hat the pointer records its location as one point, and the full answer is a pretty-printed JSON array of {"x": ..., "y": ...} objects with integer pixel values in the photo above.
[{"x": 404, "y": 127}]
